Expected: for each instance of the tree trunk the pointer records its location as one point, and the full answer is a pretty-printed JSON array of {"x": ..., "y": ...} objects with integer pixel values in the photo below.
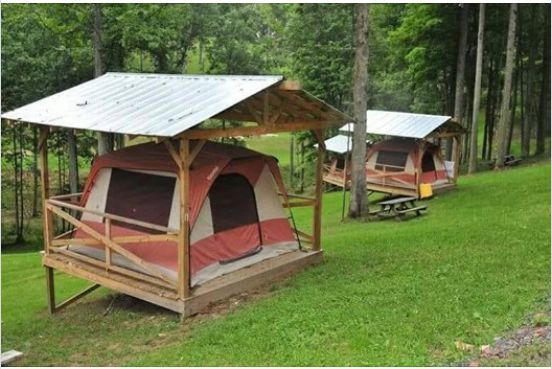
[
  {"x": 358, "y": 203},
  {"x": 105, "y": 140},
  {"x": 472, "y": 166},
  {"x": 506, "y": 90},
  {"x": 73, "y": 161},
  {"x": 544, "y": 105},
  {"x": 530, "y": 100},
  {"x": 460, "y": 77},
  {"x": 488, "y": 108},
  {"x": 513, "y": 109}
]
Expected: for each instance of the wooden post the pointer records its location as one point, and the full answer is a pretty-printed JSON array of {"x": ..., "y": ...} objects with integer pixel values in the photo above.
[
  {"x": 51, "y": 292},
  {"x": 317, "y": 213},
  {"x": 184, "y": 234},
  {"x": 47, "y": 223},
  {"x": 107, "y": 249}
]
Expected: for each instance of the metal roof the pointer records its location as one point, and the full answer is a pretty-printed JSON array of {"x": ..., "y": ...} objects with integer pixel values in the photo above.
[
  {"x": 390, "y": 123},
  {"x": 142, "y": 104},
  {"x": 339, "y": 144}
]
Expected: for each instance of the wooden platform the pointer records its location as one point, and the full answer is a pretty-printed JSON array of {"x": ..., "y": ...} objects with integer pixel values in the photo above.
[{"x": 217, "y": 289}]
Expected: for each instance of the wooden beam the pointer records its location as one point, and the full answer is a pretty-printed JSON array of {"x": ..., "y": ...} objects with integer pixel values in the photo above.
[
  {"x": 122, "y": 284},
  {"x": 48, "y": 225},
  {"x": 114, "y": 268},
  {"x": 183, "y": 262},
  {"x": 297, "y": 204},
  {"x": 107, "y": 249},
  {"x": 174, "y": 154},
  {"x": 50, "y": 290},
  {"x": 266, "y": 107},
  {"x": 251, "y": 109},
  {"x": 121, "y": 239},
  {"x": 197, "y": 148},
  {"x": 317, "y": 213},
  {"x": 77, "y": 296},
  {"x": 150, "y": 268},
  {"x": 203, "y": 133},
  {"x": 118, "y": 218},
  {"x": 289, "y": 85}
]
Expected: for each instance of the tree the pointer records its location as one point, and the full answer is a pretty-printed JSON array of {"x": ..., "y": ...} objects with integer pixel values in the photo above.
[
  {"x": 358, "y": 203},
  {"x": 105, "y": 140},
  {"x": 531, "y": 71},
  {"x": 460, "y": 79},
  {"x": 503, "y": 122},
  {"x": 472, "y": 166},
  {"x": 544, "y": 106}
]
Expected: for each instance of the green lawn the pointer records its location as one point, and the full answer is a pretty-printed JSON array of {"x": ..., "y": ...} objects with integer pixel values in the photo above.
[
  {"x": 389, "y": 293},
  {"x": 276, "y": 145}
]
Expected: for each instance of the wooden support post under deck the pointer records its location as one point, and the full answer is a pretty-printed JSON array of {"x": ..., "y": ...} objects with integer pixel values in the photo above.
[
  {"x": 317, "y": 213},
  {"x": 50, "y": 290},
  {"x": 184, "y": 235}
]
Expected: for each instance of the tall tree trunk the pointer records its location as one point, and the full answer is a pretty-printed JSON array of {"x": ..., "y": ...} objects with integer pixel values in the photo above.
[
  {"x": 513, "y": 110},
  {"x": 530, "y": 100},
  {"x": 472, "y": 166},
  {"x": 544, "y": 105},
  {"x": 488, "y": 108},
  {"x": 358, "y": 203},
  {"x": 460, "y": 78},
  {"x": 35, "y": 173},
  {"x": 506, "y": 90},
  {"x": 73, "y": 161},
  {"x": 105, "y": 140}
]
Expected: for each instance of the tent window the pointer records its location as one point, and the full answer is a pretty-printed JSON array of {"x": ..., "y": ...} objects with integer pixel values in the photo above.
[
  {"x": 428, "y": 163},
  {"x": 232, "y": 203},
  {"x": 391, "y": 161},
  {"x": 140, "y": 196}
]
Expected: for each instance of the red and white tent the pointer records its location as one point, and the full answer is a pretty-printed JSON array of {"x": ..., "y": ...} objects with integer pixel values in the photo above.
[
  {"x": 401, "y": 165},
  {"x": 236, "y": 213}
]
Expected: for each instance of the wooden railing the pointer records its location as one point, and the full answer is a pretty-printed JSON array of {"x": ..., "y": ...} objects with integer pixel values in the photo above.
[
  {"x": 298, "y": 201},
  {"x": 56, "y": 206}
]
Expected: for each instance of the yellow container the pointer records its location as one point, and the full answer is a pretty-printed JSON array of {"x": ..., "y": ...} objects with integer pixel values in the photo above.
[{"x": 425, "y": 190}]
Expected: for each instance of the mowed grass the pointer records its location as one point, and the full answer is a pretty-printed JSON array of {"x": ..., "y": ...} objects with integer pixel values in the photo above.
[
  {"x": 276, "y": 145},
  {"x": 389, "y": 293}
]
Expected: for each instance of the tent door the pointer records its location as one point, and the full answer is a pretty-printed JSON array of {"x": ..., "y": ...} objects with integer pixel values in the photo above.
[
  {"x": 428, "y": 166},
  {"x": 233, "y": 204}
]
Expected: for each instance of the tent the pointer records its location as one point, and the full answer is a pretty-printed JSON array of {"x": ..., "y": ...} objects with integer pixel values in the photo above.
[
  {"x": 399, "y": 166},
  {"x": 236, "y": 215},
  {"x": 182, "y": 221},
  {"x": 404, "y": 158}
]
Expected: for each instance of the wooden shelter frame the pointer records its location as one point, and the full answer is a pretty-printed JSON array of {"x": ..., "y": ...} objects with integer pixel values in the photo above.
[
  {"x": 450, "y": 130},
  {"x": 280, "y": 108}
]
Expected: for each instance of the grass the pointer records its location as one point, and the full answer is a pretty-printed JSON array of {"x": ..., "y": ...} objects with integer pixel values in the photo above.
[
  {"x": 276, "y": 145},
  {"x": 390, "y": 293}
]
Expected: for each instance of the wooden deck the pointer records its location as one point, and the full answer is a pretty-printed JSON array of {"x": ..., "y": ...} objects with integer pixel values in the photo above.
[{"x": 222, "y": 287}]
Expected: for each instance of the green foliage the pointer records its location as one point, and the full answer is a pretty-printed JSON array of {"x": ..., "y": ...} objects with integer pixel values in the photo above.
[
  {"x": 389, "y": 294},
  {"x": 422, "y": 50},
  {"x": 320, "y": 38}
]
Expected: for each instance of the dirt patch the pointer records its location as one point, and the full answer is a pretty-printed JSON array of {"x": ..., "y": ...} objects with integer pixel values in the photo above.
[{"x": 526, "y": 344}]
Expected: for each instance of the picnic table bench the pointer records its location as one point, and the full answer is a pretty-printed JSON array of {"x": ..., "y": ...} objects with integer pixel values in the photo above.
[{"x": 398, "y": 207}]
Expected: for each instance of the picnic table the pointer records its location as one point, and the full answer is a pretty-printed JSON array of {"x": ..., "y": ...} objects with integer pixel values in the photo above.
[{"x": 398, "y": 207}]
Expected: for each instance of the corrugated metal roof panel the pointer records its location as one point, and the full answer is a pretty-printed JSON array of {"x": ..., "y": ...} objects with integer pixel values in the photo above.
[
  {"x": 339, "y": 144},
  {"x": 389, "y": 123},
  {"x": 142, "y": 104}
]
